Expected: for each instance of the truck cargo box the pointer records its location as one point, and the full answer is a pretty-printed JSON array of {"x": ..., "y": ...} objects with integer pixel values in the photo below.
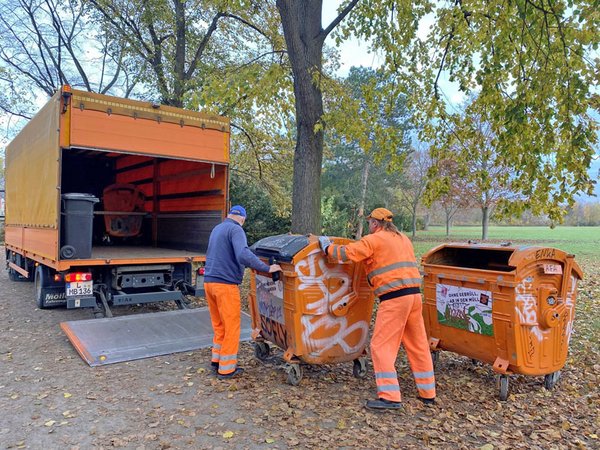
[{"x": 164, "y": 168}]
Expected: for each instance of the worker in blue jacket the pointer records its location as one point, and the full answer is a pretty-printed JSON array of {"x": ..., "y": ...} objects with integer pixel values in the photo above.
[{"x": 226, "y": 258}]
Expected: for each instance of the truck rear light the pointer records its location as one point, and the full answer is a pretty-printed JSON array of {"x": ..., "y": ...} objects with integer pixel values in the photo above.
[
  {"x": 78, "y": 276},
  {"x": 58, "y": 277},
  {"x": 201, "y": 271}
]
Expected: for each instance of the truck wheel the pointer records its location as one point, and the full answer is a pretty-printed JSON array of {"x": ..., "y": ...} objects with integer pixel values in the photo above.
[
  {"x": 42, "y": 277},
  {"x": 21, "y": 261},
  {"x": 13, "y": 275}
]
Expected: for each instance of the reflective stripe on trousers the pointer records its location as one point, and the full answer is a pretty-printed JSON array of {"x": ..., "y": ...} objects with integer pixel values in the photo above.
[
  {"x": 224, "y": 306},
  {"x": 400, "y": 321},
  {"x": 216, "y": 351}
]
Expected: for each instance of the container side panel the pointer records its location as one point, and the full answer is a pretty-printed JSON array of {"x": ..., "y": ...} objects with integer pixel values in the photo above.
[
  {"x": 32, "y": 171},
  {"x": 94, "y": 129},
  {"x": 333, "y": 311}
]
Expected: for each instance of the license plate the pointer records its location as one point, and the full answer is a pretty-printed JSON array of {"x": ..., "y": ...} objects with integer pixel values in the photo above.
[{"x": 79, "y": 288}]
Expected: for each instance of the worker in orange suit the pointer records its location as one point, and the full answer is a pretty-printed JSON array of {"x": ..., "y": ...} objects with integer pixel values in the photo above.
[
  {"x": 226, "y": 256},
  {"x": 392, "y": 272}
]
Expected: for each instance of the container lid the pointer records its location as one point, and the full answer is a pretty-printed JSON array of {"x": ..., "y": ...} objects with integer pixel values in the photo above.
[
  {"x": 79, "y": 196},
  {"x": 283, "y": 247}
]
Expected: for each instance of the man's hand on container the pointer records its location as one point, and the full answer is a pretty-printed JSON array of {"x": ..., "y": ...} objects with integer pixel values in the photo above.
[
  {"x": 324, "y": 242},
  {"x": 274, "y": 268}
]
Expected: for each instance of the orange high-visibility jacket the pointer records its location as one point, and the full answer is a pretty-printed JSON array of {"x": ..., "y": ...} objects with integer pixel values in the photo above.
[{"x": 388, "y": 257}]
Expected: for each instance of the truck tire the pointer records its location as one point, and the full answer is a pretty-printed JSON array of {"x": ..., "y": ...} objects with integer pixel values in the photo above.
[
  {"x": 13, "y": 275},
  {"x": 42, "y": 277},
  {"x": 21, "y": 261}
]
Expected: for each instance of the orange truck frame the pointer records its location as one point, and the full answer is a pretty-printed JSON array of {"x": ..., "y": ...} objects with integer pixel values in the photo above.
[{"x": 165, "y": 169}]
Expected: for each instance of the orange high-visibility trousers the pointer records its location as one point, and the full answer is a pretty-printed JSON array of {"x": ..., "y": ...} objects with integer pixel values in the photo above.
[
  {"x": 400, "y": 321},
  {"x": 224, "y": 306}
]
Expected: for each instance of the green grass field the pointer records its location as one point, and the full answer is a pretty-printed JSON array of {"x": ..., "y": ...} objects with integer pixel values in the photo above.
[{"x": 581, "y": 241}]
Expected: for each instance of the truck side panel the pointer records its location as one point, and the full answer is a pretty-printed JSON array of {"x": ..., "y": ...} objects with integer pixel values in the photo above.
[
  {"x": 37, "y": 243},
  {"x": 100, "y": 130},
  {"x": 32, "y": 181}
]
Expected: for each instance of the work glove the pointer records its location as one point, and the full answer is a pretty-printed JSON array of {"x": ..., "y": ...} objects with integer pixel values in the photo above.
[{"x": 324, "y": 242}]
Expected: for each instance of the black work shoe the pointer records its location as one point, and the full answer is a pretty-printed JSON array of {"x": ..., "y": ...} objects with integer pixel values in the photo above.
[
  {"x": 214, "y": 366},
  {"x": 427, "y": 401},
  {"x": 237, "y": 372},
  {"x": 382, "y": 403}
]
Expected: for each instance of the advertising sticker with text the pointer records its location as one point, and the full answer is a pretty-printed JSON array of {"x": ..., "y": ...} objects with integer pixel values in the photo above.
[{"x": 465, "y": 308}]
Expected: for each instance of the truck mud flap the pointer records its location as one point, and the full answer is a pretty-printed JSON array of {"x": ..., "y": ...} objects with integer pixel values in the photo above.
[{"x": 126, "y": 338}]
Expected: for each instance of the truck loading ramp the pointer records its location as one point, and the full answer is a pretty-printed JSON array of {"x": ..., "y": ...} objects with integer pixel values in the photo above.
[{"x": 137, "y": 336}]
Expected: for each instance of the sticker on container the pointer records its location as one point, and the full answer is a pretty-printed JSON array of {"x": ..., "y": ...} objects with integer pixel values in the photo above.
[
  {"x": 553, "y": 269},
  {"x": 269, "y": 297},
  {"x": 464, "y": 308}
]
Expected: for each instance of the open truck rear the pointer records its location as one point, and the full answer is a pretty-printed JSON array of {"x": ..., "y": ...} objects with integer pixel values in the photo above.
[{"x": 155, "y": 179}]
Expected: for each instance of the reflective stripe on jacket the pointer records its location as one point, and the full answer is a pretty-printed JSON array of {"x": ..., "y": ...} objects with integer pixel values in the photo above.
[{"x": 389, "y": 260}]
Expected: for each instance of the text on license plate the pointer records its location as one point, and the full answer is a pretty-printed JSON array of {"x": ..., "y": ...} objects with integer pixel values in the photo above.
[{"x": 79, "y": 288}]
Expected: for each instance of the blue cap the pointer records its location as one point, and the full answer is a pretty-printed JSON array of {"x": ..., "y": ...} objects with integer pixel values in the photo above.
[{"x": 238, "y": 210}]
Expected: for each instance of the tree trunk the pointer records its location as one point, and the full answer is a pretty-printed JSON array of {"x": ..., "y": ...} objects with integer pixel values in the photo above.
[
  {"x": 301, "y": 22},
  {"x": 364, "y": 181},
  {"x": 448, "y": 219},
  {"x": 414, "y": 220},
  {"x": 485, "y": 219},
  {"x": 179, "y": 63},
  {"x": 426, "y": 220}
]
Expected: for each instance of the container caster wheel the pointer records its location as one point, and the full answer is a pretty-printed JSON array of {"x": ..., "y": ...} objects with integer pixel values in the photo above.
[
  {"x": 435, "y": 358},
  {"x": 262, "y": 350},
  {"x": 503, "y": 386},
  {"x": 360, "y": 367},
  {"x": 551, "y": 379},
  {"x": 294, "y": 374}
]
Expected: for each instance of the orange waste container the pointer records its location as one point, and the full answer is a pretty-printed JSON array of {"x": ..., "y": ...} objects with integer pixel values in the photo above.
[
  {"x": 316, "y": 311},
  {"x": 512, "y": 307},
  {"x": 124, "y": 210}
]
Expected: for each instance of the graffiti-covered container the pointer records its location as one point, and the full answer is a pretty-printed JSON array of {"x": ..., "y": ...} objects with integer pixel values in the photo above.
[
  {"x": 509, "y": 306},
  {"x": 317, "y": 311}
]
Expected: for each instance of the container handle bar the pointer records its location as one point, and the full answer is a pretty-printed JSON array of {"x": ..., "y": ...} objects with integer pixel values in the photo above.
[{"x": 461, "y": 278}]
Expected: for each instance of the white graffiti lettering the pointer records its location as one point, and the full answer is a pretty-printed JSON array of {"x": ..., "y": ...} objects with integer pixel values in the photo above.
[{"x": 313, "y": 274}]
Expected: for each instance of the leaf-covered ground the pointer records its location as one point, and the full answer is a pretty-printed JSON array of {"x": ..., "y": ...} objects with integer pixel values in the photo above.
[{"x": 50, "y": 398}]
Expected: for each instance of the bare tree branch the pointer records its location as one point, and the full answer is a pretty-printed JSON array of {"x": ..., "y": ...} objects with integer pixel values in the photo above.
[{"x": 349, "y": 7}]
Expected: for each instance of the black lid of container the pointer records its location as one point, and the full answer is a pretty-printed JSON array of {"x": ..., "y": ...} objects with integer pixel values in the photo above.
[
  {"x": 283, "y": 246},
  {"x": 80, "y": 196}
]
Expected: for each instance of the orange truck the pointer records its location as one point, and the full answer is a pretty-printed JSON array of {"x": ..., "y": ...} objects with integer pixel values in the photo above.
[{"x": 110, "y": 201}]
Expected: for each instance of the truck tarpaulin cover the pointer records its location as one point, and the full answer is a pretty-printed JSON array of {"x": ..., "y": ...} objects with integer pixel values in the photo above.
[{"x": 32, "y": 157}]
